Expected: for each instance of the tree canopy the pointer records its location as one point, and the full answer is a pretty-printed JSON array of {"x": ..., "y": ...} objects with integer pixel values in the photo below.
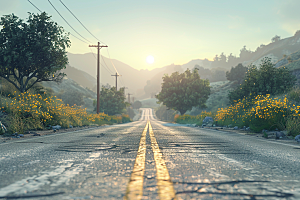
[
  {"x": 237, "y": 73},
  {"x": 111, "y": 101},
  {"x": 183, "y": 91},
  {"x": 137, "y": 105},
  {"x": 32, "y": 52},
  {"x": 264, "y": 80}
]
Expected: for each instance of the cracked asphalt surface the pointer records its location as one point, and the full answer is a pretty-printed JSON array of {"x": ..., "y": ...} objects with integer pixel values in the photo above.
[{"x": 98, "y": 163}]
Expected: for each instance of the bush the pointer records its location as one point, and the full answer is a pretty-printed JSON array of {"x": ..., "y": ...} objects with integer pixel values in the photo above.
[
  {"x": 237, "y": 73},
  {"x": 190, "y": 119},
  {"x": 71, "y": 97},
  {"x": 293, "y": 126},
  {"x": 28, "y": 111},
  {"x": 125, "y": 118},
  {"x": 294, "y": 94},
  {"x": 259, "y": 113},
  {"x": 137, "y": 105},
  {"x": 263, "y": 80}
]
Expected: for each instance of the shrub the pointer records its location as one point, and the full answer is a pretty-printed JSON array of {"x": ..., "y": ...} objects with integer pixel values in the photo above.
[
  {"x": 190, "y": 119},
  {"x": 263, "y": 80},
  {"x": 294, "y": 94},
  {"x": 259, "y": 113},
  {"x": 28, "y": 111},
  {"x": 293, "y": 126}
]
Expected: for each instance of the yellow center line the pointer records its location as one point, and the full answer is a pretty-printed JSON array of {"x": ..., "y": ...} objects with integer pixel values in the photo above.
[
  {"x": 135, "y": 185},
  {"x": 165, "y": 186}
]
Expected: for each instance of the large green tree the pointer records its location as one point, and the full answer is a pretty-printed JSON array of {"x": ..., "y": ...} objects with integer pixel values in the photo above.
[
  {"x": 137, "y": 105},
  {"x": 183, "y": 91},
  {"x": 32, "y": 51},
  {"x": 263, "y": 80},
  {"x": 111, "y": 101},
  {"x": 237, "y": 73}
]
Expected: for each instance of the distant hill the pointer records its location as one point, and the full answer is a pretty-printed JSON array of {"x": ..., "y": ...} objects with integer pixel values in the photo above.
[
  {"x": 132, "y": 78},
  {"x": 82, "y": 78},
  {"x": 275, "y": 50},
  {"x": 144, "y": 84}
]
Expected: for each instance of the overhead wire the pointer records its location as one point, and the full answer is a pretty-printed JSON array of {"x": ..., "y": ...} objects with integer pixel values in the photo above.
[
  {"x": 105, "y": 66},
  {"x": 34, "y": 6},
  {"x": 69, "y": 33},
  {"x": 80, "y": 22},
  {"x": 105, "y": 63},
  {"x": 67, "y": 21},
  {"x": 115, "y": 67},
  {"x": 121, "y": 77}
]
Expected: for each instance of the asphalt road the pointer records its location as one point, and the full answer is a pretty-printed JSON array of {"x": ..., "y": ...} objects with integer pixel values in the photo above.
[{"x": 149, "y": 159}]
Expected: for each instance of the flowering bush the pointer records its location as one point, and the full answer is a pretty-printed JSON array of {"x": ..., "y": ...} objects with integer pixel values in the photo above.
[
  {"x": 35, "y": 111},
  {"x": 262, "y": 112}
]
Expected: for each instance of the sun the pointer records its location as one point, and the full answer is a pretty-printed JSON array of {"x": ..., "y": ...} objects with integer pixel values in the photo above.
[{"x": 150, "y": 59}]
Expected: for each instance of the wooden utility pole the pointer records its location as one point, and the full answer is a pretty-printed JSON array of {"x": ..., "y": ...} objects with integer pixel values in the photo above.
[
  {"x": 98, "y": 73},
  {"x": 116, "y": 80},
  {"x": 129, "y": 97}
]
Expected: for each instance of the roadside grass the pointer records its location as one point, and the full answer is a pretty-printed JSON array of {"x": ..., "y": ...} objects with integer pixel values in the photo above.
[
  {"x": 190, "y": 119},
  {"x": 27, "y": 111}
]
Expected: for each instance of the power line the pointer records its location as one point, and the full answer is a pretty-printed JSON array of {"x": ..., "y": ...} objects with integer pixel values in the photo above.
[
  {"x": 35, "y": 6},
  {"x": 80, "y": 22},
  {"x": 112, "y": 62},
  {"x": 105, "y": 66},
  {"x": 114, "y": 67},
  {"x": 105, "y": 63},
  {"x": 70, "y": 33},
  {"x": 67, "y": 21},
  {"x": 78, "y": 38}
]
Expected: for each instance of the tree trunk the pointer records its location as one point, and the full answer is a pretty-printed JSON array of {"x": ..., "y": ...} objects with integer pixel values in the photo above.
[{"x": 182, "y": 111}]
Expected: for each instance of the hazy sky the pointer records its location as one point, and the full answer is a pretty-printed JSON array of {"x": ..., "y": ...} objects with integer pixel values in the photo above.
[{"x": 174, "y": 31}]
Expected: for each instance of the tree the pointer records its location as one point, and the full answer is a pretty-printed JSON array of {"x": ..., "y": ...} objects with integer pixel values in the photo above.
[
  {"x": 223, "y": 58},
  {"x": 204, "y": 73},
  {"x": 137, "y": 105},
  {"x": 265, "y": 80},
  {"x": 183, "y": 91},
  {"x": 217, "y": 75},
  {"x": 276, "y": 38},
  {"x": 111, "y": 101},
  {"x": 244, "y": 53},
  {"x": 32, "y": 52},
  {"x": 237, "y": 73}
]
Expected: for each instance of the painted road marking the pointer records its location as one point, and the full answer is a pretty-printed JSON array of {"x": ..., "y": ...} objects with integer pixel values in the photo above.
[
  {"x": 135, "y": 185},
  {"x": 165, "y": 186}
]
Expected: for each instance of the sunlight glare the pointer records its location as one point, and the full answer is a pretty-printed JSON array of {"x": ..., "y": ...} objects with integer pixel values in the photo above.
[{"x": 150, "y": 59}]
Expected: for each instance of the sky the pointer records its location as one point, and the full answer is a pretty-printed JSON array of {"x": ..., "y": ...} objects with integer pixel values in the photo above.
[{"x": 172, "y": 31}]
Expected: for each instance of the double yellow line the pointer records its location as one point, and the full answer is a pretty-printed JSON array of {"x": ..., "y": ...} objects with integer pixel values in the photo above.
[{"x": 135, "y": 186}]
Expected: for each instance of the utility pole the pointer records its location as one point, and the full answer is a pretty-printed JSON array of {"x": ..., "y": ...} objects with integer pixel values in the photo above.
[
  {"x": 116, "y": 80},
  {"x": 98, "y": 74},
  {"x": 129, "y": 97}
]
